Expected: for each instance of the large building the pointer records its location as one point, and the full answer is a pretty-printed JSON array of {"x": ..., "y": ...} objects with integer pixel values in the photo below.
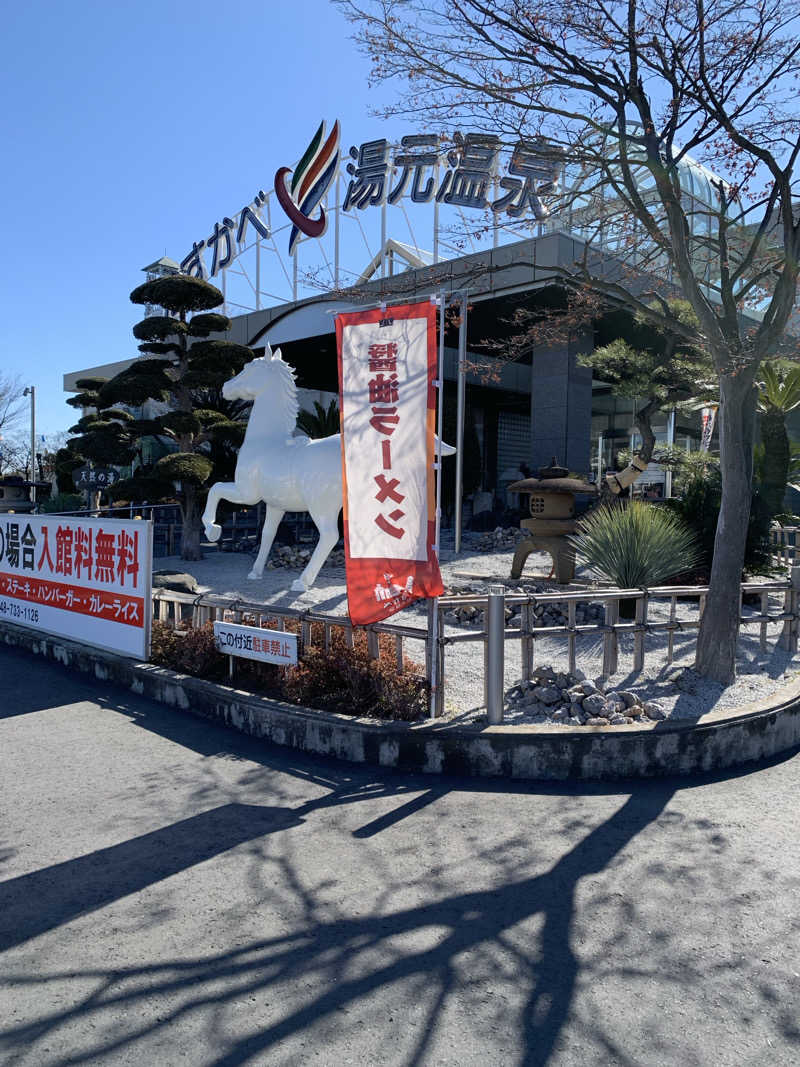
[{"x": 542, "y": 405}]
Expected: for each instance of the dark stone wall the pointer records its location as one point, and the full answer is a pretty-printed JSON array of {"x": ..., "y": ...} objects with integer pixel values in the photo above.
[{"x": 561, "y": 407}]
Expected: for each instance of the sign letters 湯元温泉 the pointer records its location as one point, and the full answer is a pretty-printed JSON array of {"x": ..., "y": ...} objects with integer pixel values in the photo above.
[{"x": 466, "y": 173}]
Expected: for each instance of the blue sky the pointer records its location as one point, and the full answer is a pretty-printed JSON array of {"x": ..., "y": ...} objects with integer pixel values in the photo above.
[{"x": 128, "y": 129}]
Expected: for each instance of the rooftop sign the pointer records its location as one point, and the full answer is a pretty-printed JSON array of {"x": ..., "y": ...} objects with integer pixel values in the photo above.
[{"x": 465, "y": 173}]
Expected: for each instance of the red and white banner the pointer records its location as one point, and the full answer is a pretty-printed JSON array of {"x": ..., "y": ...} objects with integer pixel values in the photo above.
[
  {"x": 85, "y": 579},
  {"x": 387, "y": 366},
  {"x": 707, "y": 419}
]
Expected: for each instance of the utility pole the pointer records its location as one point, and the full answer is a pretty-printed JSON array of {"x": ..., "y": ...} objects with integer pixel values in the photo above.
[{"x": 31, "y": 391}]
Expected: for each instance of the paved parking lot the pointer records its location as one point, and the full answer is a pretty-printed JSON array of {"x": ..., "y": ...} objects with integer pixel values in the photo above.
[{"x": 173, "y": 893}]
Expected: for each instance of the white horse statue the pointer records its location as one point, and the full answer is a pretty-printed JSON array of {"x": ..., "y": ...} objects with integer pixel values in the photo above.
[{"x": 288, "y": 473}]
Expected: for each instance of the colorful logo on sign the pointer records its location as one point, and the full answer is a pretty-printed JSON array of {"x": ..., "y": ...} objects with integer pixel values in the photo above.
[{"x": 309, "y": 183}]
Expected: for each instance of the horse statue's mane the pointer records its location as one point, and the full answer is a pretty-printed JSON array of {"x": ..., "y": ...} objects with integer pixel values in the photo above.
[{"x": 287, "y": 389}]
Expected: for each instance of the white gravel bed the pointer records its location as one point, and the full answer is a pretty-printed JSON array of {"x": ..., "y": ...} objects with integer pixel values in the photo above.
[{"x": 679, "y": 692}]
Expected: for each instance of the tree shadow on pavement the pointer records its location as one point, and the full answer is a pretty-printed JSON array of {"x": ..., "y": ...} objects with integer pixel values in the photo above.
[
  {"x": 327, "y": 964},
  {"x": 332, "y": 950}
]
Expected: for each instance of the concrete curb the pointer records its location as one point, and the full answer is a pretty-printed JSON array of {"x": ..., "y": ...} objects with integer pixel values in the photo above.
[{"x": 718, "y": 741}]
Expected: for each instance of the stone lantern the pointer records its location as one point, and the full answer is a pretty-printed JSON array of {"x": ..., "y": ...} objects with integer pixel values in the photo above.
[{"x": 551, "y": 501}]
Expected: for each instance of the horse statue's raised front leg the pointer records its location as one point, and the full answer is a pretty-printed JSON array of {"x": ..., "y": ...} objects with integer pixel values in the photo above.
[
  {"x": 234, "y": 494},
  {"x": 271, "y": 523},
  {"x": 218, "y": 491}
]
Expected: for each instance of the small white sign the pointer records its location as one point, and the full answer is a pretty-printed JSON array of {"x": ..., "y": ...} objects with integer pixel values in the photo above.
[{"x": 252, "y": 642}]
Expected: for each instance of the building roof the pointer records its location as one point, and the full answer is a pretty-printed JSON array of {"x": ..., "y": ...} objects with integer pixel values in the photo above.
[{"x": 165, "y": 263}]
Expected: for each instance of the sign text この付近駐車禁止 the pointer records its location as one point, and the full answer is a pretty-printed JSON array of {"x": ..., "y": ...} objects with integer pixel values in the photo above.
[
  {"x": 85, "y": 579},
  {"x": 254, "y": 642}
]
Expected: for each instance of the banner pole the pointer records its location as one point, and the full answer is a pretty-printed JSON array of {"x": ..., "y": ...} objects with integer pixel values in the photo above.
[
  {"x": 460, "y": 405},
  {"x": 435, "y": 703}
]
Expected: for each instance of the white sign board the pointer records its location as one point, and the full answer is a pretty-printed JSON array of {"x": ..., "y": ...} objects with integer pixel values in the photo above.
[
  {"x": 253, "y": 642},
  {"x": 88, "y": 580}
]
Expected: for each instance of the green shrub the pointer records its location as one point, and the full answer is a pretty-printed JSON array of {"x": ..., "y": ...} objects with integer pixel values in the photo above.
[
  {"x": 635, "y": 546},
  {"x": 341, "y": 679},
  {"x": 698, "y": 504},
  {"x": 61, "y": 502}
]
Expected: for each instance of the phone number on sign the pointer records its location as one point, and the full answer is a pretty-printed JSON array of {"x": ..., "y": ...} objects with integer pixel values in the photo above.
[{"x": 16, "y": 611}]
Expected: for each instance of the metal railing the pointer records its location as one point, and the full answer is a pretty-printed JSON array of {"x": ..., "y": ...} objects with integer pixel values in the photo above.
[
  {"x": 178, "y": 608},
  {"x": 784, "y": 543}
]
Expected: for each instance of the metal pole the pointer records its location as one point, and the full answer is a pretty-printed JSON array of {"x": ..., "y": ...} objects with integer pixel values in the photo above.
[
  {"x": 337, "y": 211},
  {"x": 495, "y": 628},
  {"x": 383, "y": 238},
  {"x": 439, "y": 426},
  {"x": 600, "y": 460},
  {"x": 436, "y": 681},
  {"x": 258, "y": 274},
  {"x": 670, "y": 443},
  {"x": 436, "y": 216},
  {"x": 31, "y": 391},
  {"x": 294, "y": 274},
  {"x": 461, "y": 394}
]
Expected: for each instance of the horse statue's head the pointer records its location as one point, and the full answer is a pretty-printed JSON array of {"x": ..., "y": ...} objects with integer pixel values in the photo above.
[{"x": 267, "y": 373}]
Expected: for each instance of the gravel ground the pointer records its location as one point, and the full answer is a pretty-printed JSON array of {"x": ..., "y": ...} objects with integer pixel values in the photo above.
[{"x": 680, "y": 693}]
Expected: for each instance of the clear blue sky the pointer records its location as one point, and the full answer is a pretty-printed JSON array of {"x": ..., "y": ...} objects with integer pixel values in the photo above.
[{"x": 127, "y": 130}]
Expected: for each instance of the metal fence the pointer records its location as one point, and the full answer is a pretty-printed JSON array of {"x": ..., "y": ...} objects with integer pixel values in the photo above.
[
  {"x": 784, "y": 544},
  {"x": 177, "y": 609}
]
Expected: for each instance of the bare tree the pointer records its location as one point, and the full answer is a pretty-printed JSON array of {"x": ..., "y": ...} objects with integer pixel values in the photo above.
[
  {"x": 11, "y": 404},
  {"x": 620, "y": 94}
]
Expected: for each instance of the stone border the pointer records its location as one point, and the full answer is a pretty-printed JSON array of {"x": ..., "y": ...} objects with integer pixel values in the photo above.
[{"x": 539, "y": 753}]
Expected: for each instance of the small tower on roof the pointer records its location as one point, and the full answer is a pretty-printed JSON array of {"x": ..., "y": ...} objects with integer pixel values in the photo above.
[{"x": 162, "y": 268}]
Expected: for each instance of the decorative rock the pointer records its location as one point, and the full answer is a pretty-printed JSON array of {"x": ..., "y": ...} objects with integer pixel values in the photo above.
[
  {"x": 588, "y": 688},
  {"x": 174, "y": 580},
  {"x": 618, "y": 720},
  {"x": 654, "y": 710},
  {"x": 544, "y": 674},
  {"x": 594, "y": 703},
  {"x": 547, "y": 694},
  {"x": 631, "y": 699},
  {"x": 595, "y": 721}
]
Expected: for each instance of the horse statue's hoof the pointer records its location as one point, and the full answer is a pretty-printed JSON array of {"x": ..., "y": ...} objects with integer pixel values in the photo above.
[
  {"x": 213, "y": 531},
  {"x": 254, "y": 575},
  {"x": 298, "y": 586}
]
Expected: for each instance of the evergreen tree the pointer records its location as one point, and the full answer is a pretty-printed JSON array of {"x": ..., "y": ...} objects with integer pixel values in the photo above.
[
  {"x": 182, "y": 370},
  {"x": 655, "y": 367},
  {"x": 779, "y": 393}
]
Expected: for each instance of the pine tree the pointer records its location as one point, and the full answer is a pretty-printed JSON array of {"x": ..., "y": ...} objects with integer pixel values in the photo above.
[{"x": 183, "y": 371}]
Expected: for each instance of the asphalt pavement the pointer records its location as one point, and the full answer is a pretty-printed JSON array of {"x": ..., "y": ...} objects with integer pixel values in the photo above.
[{"x": 174, "y": 893}]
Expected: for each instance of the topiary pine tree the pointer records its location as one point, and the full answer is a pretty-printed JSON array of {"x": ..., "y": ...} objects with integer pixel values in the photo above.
[
  {"x": 180, "y": 369},
  {"x": 655, "y": 367}
]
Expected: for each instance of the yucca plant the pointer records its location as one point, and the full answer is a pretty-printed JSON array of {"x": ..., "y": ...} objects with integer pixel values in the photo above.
[{"x": 635, "y": 546}]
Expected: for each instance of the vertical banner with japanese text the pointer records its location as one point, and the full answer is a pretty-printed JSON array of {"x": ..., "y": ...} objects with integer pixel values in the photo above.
[
  {"x": 707, "y": 418},
  {"x": 387, "y": 366},
  {"x": 84, "y": 579}
]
